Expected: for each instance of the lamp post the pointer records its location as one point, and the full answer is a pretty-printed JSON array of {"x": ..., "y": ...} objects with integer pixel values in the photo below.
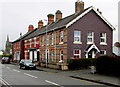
[{"x": 46, "y": 51}]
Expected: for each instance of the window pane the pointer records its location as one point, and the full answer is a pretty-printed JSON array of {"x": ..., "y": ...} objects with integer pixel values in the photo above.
[
  {"x": 76, "y": 33},
  {"x": 90, "y": 34},
  {"x": 77, "y": 36},
  {"x": 102, "y": 40},
  {"x": 102, "y": 37},
  {"x": 77, "y": 39},
  {"x": 89, "y": 39}
]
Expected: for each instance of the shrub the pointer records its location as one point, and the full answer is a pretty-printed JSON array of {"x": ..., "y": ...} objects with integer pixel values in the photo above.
[
  {"x": 108, "y": 64},
  {"x": 81, "y": 63}
]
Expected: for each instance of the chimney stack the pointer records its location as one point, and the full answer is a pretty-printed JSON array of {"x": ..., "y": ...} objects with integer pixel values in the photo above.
[
  {"x": 31, "y": 27},
  {"x": 58, "y": 15},
  {"x": 79, "y": 6},
  {"x": 50, "y": 18},
  {"x": 40, "y": 24}
]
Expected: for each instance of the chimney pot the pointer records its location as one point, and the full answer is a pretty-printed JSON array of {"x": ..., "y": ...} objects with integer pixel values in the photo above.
[
  {"x": 58, "y": 15},
  {"x": 31, "y": 27},
  {"x": 40, "y": 24},
  {"x": 50, "y": 18}
]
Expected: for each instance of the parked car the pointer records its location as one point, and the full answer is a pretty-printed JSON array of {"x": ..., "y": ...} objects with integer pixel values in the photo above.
[
  {"x": 27, "y": 64},
  {"x": 5, "y": 60}
]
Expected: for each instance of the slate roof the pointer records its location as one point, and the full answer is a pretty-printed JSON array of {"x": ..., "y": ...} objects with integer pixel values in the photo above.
[
  {"x": 25, "y": 35},
  {"x": 55, "y": 25},
  {"x": 65, "y": 22}
]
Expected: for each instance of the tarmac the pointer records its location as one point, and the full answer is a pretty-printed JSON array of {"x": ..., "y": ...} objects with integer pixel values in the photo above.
[{"x": 85, "y": 74}]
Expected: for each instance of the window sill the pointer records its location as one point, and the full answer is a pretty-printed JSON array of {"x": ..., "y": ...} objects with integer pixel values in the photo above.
[
  {"x": 89, "y": 42},
  {"x": 103, "y": 43},
  {"x": 61, "y": 43},
  {"x": 77, "y": 42}
]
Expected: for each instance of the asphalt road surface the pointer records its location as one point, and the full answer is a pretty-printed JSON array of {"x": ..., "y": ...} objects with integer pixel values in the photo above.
[{"x": 13, "y": 76}]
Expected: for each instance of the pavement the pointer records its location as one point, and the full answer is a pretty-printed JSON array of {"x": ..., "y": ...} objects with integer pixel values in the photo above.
[{"x": 85, "y": 74}]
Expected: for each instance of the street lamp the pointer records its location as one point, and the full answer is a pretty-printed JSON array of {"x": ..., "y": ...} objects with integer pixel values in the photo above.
[{"x": 46, "y": 51}]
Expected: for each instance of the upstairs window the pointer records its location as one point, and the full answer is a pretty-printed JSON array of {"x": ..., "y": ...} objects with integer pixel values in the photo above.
[
  {"x": 77, "y": 53},
  {"x": 47, "y": 40},
  {"x": 53, "y": 38},
  {"x": 102, "y": 38},
  {"x": 90, "y": 37},
  {"x": 35, "y": 42},
  {"x": 77, "y": 35},
  {"x": 61, "y": 37},
  {"x": 42, "y": 41}
]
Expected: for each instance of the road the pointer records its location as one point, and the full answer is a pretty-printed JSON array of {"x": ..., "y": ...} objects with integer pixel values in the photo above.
[{"x": 14, "y": 76}]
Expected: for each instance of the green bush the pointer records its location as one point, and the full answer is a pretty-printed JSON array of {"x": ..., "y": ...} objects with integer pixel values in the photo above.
[
  {"x": 108, "y": 64},
  {"x": 81, "y": 63},
  {"x": 7, "y": 55}
]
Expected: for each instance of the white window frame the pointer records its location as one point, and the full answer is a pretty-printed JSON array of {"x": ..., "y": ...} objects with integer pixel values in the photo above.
[
  {"x": 42, "y": 40},
  {"x": 77, "y": 54},
  {"x": 53, "y": 36},
  {"x": 104, "y": 52},
  {"x": 90, "y": 37},
  {"x": 77, "y": 36},
  {"x": 30, "y": 42},
  {"x": 42, "y": 52},
  {"x": 103, "y": 37},
  {"x": 61, "y": 37},
  {"x": 61, "y": 55},
  {"x": 52, "y": 55},
  {"x": 47, "y": 40},
  {"x": 35, "y": 42}
]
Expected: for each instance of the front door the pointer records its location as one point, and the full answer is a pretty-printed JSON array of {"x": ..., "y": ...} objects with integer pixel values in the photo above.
[
  {"x": 47, "y": 56},
  {"x": 91, "y": 54}
]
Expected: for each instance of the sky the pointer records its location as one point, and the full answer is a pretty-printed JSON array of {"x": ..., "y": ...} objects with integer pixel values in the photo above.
[{"x": 17, "y": 15}]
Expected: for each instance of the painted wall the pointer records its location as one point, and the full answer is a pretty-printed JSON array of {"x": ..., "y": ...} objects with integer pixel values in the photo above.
[{"x": 90, "y": 22}]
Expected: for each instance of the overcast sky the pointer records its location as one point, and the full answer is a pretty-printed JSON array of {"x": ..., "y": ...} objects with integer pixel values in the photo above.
[{"x": 16, "y": 15}]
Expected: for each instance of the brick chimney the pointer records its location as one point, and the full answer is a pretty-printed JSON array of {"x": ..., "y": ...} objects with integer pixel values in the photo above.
[
  {"x": 79, "y": 6},
  {"x": 40, "y": 24},
  {"x": 58, "y": 15},
  {"x": 50, "y": 18},
  {"x": 31, "y": 27}
]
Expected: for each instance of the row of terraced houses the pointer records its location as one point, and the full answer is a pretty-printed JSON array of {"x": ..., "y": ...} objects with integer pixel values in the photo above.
[{"x": 84, "y": 34}]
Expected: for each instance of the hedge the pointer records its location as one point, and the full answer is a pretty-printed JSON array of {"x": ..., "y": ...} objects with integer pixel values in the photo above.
[
  {"x": 108, "y": 64},
  {"x": 7, "y": 55},
  {"x": 81, "y": 63}
]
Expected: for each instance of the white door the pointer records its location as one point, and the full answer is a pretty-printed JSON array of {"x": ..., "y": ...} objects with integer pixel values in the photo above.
[
  {"x": 35, "y": 55},
  {"x": 31, "y": 55},
  {"x": 47, "y": 56},
  {"x": 18, "y": 55}
]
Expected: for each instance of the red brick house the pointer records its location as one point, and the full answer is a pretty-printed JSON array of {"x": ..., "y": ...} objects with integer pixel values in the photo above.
[
  {"x": 84, "y": 34},
  {"x": 18, "y": 45}
]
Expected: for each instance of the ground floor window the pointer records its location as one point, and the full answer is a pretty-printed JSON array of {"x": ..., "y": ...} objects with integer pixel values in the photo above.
[
  {"x": 102, "y": 52},
  {"x": 43, "y": 55},
  {"x": 53, "y": 55},
  {"x": 77, "y": 53},
  {"x": 61, "y": 55}
]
